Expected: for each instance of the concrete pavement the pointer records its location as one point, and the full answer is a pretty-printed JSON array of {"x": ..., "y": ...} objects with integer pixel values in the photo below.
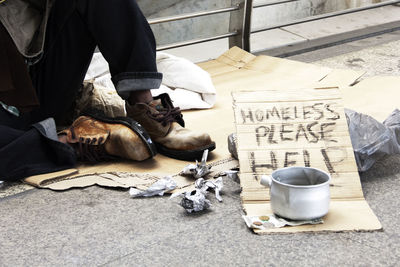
[{"x": 97, "y": 226}]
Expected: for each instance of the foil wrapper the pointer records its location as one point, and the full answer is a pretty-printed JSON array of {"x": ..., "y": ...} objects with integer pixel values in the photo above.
[
  {"x": 160, "y": 187},
  {"x": 204, "y": 185},
  {"x": 196, "y": 200},
  {"x": 198, "y": 170},
  {"x": 273, "y": 221}
]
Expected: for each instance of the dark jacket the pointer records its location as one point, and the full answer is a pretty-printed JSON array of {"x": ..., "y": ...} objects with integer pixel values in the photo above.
[
  {"x": 22, "y": 33},
  {"x": 15, "y": 84},
  {"x": 25, "y": 21}
]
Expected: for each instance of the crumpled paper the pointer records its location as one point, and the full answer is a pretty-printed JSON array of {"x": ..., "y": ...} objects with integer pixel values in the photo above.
[
  {"x": 273, "y": 221},
  {"x": 196, "y": 200},
  {"x": 163, "y": 185},
  {"x": 198, "y": 170}
]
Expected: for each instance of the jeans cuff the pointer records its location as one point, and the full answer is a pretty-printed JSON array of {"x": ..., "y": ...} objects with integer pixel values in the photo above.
[
  {"x": 136, "y": 81},
  {"x": 47, "y": 128}
]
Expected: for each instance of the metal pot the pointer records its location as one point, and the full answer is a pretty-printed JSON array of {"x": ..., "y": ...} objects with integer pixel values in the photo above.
[{"x": 298, "y": 193}]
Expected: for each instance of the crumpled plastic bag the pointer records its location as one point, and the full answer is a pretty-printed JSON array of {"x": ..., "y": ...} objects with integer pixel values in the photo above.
[
  {"x": 371, "y": 139},
  {"x": 196, "y": 200},
  {"x": 160, "y": 187}
]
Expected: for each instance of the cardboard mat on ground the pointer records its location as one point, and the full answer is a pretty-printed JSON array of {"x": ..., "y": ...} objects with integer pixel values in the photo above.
[
  {"x": 375, "y": 96},
  {"x": 303, "y": 127},
  {"x": 233, "y": 70}
]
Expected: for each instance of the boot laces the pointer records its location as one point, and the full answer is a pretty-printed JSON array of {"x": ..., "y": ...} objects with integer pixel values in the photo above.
[
  {"x": 166, "y": 114},
  {"x": 88, "y": 150}
]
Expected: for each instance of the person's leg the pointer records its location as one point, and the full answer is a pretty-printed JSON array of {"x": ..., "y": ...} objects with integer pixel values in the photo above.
[
  {"x": 27, "y": 149},
  {"x": 124, "y": 38},
  {"x": 126, "y": 41},
  {"x": 69, "y": 47},
  {"x": 74, "y": 29},
  {"x": 36, "y": 150}
]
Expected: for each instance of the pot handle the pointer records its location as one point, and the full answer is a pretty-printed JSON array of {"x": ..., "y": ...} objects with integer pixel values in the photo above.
[{"x": 266, "y": 180}]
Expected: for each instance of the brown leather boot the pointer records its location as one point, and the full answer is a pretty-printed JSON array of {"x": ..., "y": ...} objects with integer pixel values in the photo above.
[
  {"x": 99, "y": 138},
  {"x": 165, "y": 125}
]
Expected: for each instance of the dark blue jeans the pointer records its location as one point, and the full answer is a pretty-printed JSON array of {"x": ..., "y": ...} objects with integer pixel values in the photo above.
[{"x": 75, "y": 27}]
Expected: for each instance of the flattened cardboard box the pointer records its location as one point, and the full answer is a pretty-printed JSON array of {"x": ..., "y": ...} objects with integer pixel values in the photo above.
[
  {"x": 235, "y": 69},
  {"x": 302, "y": 127}
]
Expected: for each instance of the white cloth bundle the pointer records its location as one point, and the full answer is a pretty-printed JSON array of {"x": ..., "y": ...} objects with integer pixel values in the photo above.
[{"x": 189, "y": 86}]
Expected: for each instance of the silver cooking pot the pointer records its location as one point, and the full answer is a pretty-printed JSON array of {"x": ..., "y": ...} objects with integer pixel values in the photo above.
[{"x": 298, "y": 193}]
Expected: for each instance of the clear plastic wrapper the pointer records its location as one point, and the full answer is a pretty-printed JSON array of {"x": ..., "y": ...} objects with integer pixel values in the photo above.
[
  {"x": 371, "y": 139},
  {"x": 160, "y": 187}
]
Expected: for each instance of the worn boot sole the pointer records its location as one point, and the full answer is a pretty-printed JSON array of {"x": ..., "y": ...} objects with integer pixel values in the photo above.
[
  {"x": 129, "y": 122},
  {"x": 187, "y": 155}
]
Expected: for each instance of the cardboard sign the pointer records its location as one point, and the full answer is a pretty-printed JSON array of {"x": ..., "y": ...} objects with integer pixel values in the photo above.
[{"x": 305, "y": 127}]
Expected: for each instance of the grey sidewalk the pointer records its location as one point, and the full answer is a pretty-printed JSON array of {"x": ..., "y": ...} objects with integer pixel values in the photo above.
[
  {"x": 97, "y": 226},
  {"x": 305, "y": 36}
]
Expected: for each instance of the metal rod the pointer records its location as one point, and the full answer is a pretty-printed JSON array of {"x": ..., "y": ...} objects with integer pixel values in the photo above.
[
  {"x": 329, "y": 15},
  {"x": 196, "y": 41},
  {"x": 193, "y": 15},
  {"x": 248, "y": 9},
  {"x": 274, "y": 3}
]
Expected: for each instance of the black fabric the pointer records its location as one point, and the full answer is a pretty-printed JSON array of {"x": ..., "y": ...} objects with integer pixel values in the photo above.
[
  {"x": 75, "y": 28},
  {"x": 24, "y": 153},
  {"x": 15, "y": 83}
]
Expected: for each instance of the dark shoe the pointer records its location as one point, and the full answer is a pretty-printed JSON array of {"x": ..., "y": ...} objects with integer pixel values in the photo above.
[
  {"x": 165, "y": 125},
  {"x": 98, "y": 138}
]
